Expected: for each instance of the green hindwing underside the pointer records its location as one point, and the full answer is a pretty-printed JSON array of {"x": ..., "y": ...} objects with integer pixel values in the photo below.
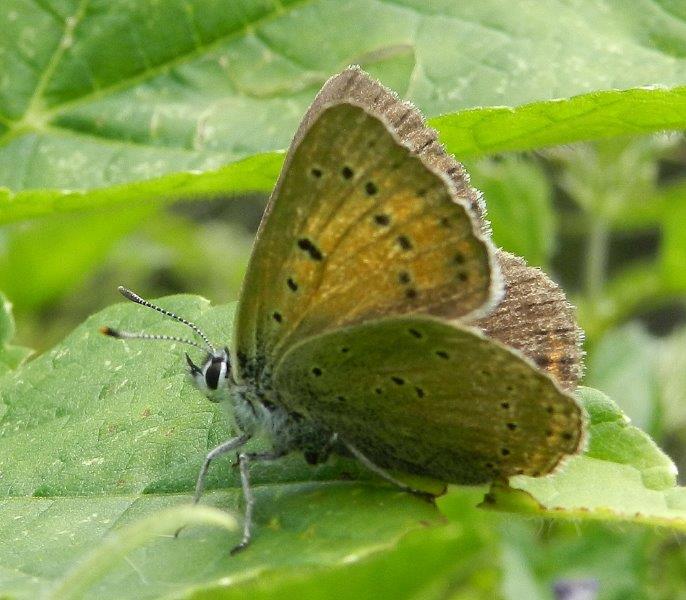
[{"x": 425, "y": 396}]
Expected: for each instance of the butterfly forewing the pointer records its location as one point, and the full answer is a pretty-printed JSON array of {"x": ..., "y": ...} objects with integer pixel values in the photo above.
[
  {"x": 358, "y": 226},
  {"x": 424, "y": 396}
]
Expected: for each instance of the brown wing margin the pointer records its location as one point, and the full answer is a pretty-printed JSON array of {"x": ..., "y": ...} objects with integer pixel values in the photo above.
[
  {"x": 535, "y": 317},
  {"x": 355, "y": 86}
]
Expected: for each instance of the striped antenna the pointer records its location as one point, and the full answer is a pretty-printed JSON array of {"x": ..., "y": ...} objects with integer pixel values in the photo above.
[
  {"x": 128, "y": 335},
  {"x": 129, "y": 295}
]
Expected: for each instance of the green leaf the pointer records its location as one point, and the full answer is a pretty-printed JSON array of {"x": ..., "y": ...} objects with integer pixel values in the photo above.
[
  {"x": 621, "y": 476},
  {"x": 457, "y": 559},
  {"x": 126, "y": 539},
  {"x": 98, "y": 107},
  {"x": 257, "y": 173},
  {"x": 10, "y": 356},
  {"x": 597, "y": 115}
]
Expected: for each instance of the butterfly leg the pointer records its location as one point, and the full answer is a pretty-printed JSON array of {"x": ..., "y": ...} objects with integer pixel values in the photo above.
[
  {"x": 244, "y": 460},
  {"x": 223, "y": 448},
  {"x": 384, "y": 474}
]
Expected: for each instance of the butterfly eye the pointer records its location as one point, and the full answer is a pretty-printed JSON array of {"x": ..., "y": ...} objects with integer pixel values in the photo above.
[
  {"x": 215, "y": 371},
  {"x": 212, "y": 375}
]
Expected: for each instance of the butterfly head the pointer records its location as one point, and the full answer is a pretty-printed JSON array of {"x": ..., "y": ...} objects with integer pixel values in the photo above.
[{"x": 212, "y": 377}]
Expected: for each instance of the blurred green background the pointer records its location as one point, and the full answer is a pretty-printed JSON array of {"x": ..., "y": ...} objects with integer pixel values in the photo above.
[{"x": 606, "y": 219}]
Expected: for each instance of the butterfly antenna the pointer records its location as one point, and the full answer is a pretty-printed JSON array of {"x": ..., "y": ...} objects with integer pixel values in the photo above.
[
  {"x": 129, "y": 295},
  {"x": 128, "y": 335}
]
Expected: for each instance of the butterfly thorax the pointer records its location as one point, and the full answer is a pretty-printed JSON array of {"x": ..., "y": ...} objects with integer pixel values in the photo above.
[{"x": 257, "y": 410}]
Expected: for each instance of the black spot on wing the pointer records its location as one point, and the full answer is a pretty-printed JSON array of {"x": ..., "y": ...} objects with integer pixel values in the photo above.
[
  {"x": 371, "y": 188},
  {"x": 404, "y": 242},
  {"x": 310, "y": 248}
]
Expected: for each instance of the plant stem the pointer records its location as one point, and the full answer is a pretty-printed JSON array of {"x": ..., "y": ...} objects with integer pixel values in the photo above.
[{"x": 596, "y": 258}]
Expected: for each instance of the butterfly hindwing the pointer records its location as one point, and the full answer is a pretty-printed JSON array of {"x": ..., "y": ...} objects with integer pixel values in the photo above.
[
  {"x": 359, "y": 225},
  {"x": 536, "y": 318},
  {"x": 424, "y": 396}
]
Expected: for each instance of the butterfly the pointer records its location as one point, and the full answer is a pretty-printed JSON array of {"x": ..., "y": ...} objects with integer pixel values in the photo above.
[{"x": 378, "y": 321}]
